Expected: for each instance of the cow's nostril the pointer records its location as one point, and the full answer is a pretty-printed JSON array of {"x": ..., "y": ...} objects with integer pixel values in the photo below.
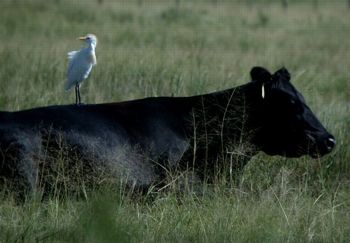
[{"x": 330, "y": 143}]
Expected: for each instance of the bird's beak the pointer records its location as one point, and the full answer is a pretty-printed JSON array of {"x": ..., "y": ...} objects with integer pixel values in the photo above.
[{"x": 81, "y": 38}]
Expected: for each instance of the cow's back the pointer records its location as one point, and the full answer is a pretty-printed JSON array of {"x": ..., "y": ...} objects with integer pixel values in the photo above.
[{"x": 127, "y": 138}]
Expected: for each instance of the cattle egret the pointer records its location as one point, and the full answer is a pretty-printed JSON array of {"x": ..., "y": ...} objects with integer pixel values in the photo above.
[{"x": 80, "y": 65}]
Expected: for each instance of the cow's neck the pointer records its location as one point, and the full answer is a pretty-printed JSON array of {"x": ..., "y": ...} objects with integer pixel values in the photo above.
[{"x": 225, "y": 122}]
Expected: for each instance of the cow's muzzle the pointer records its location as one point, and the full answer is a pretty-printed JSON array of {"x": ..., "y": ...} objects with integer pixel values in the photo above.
[
  {"x": 329, "y": 144},
  {"x": 324, "y": 146}
]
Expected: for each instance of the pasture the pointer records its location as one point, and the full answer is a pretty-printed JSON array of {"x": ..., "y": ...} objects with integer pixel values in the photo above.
[{"x": 161, "y": 48}]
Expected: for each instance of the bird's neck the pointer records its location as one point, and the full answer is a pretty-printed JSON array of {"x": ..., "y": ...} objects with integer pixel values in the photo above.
[{"x": 91, "y": 46}]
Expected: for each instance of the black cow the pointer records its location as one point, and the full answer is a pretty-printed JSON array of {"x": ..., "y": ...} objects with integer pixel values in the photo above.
[{"x": 142, "y": 140}]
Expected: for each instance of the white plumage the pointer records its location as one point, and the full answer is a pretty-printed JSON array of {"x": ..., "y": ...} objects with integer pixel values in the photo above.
[{"x": 80, "y": 64}]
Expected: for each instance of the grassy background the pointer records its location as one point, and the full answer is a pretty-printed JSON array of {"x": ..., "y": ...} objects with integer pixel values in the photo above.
[{"x": 156, "y": 48}]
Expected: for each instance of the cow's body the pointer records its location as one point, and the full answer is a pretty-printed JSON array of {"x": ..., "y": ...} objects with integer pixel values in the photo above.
[{"x": 142, "y": 140}]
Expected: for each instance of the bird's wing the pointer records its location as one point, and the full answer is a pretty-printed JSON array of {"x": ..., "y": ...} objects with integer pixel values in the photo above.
[
  {"x": 73, "y": 70},
  {"x": 71, "y": 54},
  {"x": 78, "y": 69}
]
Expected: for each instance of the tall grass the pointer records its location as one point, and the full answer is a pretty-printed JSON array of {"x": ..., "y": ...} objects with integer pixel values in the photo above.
[{"x": 158, "y": 48}]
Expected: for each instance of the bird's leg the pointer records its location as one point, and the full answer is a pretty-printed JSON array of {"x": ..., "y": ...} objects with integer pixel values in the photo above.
[
  {"x": 76, "y": 94},
  {"x": 79, "y": 94}
]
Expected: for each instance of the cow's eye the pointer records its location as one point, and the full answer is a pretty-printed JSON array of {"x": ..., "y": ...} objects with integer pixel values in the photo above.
[{"x": 294, "y": 105}]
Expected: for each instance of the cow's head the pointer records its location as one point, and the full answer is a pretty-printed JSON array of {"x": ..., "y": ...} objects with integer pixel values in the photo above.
[{"x": 288, "y": 125}]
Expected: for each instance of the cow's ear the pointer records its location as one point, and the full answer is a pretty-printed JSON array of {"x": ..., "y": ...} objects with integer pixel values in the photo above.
[
  {"x": 282, "y": 74},
  {"x": 260, "y": 74}
]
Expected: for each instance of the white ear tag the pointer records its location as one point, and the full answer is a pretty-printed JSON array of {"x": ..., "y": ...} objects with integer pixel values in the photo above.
[{"x": 263, "y": 91}]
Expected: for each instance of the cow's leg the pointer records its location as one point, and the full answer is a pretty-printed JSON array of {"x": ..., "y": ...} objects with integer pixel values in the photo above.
[
  {"x": 18, "y": 169},
  {"x": 28, "y": 175}
]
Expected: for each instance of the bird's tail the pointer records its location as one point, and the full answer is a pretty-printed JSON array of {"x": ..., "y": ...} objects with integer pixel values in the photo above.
[{"x": 68, "y": 85}]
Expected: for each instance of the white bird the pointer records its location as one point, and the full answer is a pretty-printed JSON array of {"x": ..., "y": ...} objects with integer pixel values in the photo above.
[{"x": 80, "y": 65}]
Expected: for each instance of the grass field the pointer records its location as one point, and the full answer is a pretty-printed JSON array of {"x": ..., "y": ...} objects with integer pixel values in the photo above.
[{"x": 159, "y": 48}]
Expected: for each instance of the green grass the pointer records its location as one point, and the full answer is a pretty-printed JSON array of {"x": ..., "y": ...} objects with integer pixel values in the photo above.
[{"x": 157, "y": 49}]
